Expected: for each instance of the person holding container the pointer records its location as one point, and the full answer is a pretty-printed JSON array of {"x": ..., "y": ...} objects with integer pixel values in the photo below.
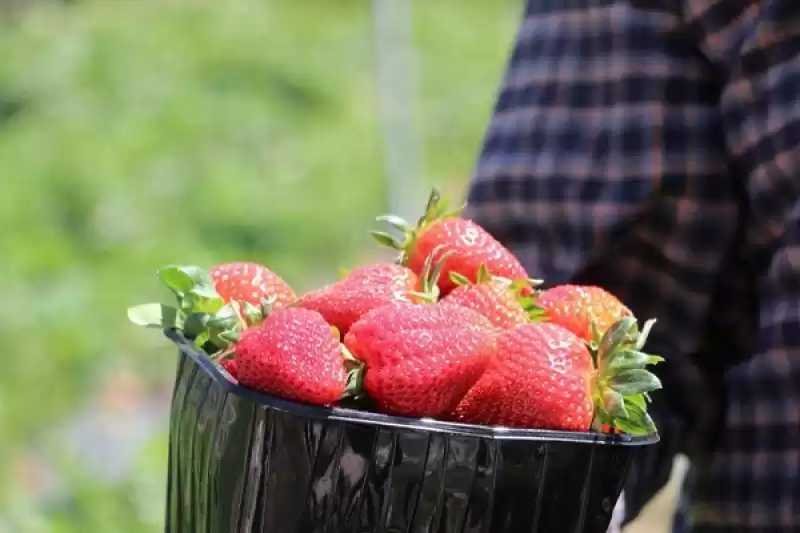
[{"x": 652, "y": 147}]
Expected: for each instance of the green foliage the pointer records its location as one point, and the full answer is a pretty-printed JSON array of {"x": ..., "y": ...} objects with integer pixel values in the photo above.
[{"x": 135, "y": 134}]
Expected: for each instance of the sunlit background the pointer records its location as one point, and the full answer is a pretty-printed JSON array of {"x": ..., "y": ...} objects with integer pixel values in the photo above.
[{"x": 135, "y": 133}]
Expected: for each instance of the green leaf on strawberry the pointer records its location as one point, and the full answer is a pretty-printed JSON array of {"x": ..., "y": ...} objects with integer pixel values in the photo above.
[
  {"x": 623, "y": 380},
  {"x": 193, "y": 288},
  {"x": 155, "y": 316},
  {"x": 636, "y": 421},
  {"x": 635, "y": 381},
  {"x": 630, "y": 360},
  {"x": 354, "y": 389},
  {"x": 201, "y": 313}
]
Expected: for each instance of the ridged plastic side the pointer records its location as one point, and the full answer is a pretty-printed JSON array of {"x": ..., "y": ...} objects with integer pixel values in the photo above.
[{"x": 243, "y": 462}]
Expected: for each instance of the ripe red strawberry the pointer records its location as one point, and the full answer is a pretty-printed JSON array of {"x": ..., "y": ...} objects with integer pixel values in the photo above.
[
  {"x": 577, "y": 307},
  {"x": 441, "y": 232},
  {"x": 251, "y": 283},
  {"x": 420, "y": 359},
  {"x": 361, "y": 290},
  {"x": 231, "y": 366},
  {"x": 543, "y": 377},
  {"x": 293, "y": 354},
  {"x": 500, "y": 300}
]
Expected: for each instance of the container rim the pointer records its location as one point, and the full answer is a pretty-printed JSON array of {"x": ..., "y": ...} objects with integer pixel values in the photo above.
[{"x": 230, "y": 385}]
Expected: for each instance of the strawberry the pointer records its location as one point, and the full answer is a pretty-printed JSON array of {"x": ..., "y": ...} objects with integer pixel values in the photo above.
[
  {"x": 585, "y": 310},
  {"x": 231, "y": 367},
  {"x": 201, "y": 313},
  {"x": 420, "y": 359},
  {"x": 444, "y": 232},
  {"x": 500, "y": 300},
  {"x": 361, "y": 290},
  {"x": 543, "y": 377},
  {"x": 251, "y": 283},
  {"x": 294, "y": 354}
]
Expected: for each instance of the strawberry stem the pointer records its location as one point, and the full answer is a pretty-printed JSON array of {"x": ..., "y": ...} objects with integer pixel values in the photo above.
[
  {"x": 431, "y": 272},
  {"x": 522, "y": 290},
  {"x": 436, "y": 209}
]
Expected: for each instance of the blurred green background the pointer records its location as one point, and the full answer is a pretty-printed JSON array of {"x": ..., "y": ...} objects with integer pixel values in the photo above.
[{"x": 135, "y": 133}]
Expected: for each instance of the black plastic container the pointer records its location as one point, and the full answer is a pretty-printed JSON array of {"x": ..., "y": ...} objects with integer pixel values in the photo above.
[{"x": 244, "y": 462}]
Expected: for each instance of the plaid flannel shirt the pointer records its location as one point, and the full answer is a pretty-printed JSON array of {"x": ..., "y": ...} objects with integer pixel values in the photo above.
[{"x": 653, "y": 147}]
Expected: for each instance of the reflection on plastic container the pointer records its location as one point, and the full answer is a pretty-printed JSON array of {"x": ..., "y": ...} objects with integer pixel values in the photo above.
[{"x": 244, "y": 462}]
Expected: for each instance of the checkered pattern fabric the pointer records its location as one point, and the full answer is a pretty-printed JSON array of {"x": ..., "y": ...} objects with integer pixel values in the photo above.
[{"x": 653, "y": 147}]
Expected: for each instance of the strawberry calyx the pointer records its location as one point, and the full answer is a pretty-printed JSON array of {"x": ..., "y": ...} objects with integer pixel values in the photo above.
[
  {"x": 436, "y": 209},
  {"x": 354, "y": 388},
  {"x": 623, "y": 382},
  {"x": 200, "y": 312},
  {"x": 429, "y": 277},
  {"x": 522, "y": 290}
]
